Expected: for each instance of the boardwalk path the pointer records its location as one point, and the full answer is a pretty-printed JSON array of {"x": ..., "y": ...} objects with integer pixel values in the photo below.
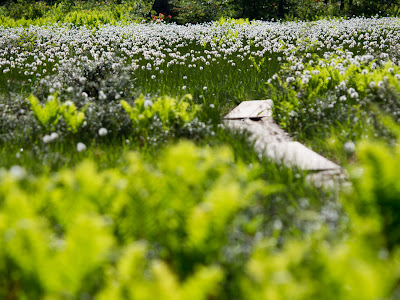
[{"x": 270, "y": 140}]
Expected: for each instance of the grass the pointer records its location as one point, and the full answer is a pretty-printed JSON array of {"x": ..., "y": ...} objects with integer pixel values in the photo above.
[{"x": 156, "y": 189}]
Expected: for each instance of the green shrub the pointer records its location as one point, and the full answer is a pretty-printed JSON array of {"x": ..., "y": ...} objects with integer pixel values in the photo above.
[
  {"x": 169, "y": 112},
  {"x": 160, "y": 282},
  {"x": 313, "y": 9},
  {"x": 375, "y": 201},
  {"x": 328, "y": 95},
  {"x": 319, "y": 269},
  {"x": 78, "y": 13},
  {"x": 83, "y": 232},
  {"x": 161, "y": 230},
  {"x": 23, "y": 9},
  {"x": 50, "y": 113},
  {"x": 73, "y": 118},
  {"x": 194, "y": 11}
]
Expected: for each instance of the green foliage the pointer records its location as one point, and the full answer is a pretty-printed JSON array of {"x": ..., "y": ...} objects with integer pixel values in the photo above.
[
  {"x": 330, "y": 94},
  {"x": 371, "y": 8},
  {"x": 93, "y": 17},
  {"x": 160, "y": 231},
  {"x": 170, "y": 112},
  {"x": 95, "y": 13},
  {"x": 318, "y": 269},
  {"x": 22, "y": 9},
  {"x": 160, "y": 282},
  {"x": 49, "y": 114},
  {"x": 260, "y": 9},
  {"x": 376, "y": 189},
  {"x": 314, "y": 9},
  {"x": 194, "y": 11},
  {"x": 78, "y": 13},
  {"x": 72, "y": 116},
  {"x": 184, "y": 226},
  {"x": 83, "y": 231},
  {"x": 226, "y": 20}
]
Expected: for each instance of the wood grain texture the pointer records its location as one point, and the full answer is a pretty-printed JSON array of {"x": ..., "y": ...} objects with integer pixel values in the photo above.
[
  {"x": 269, "y": 139},
  {"x": 252, "y": 109}
]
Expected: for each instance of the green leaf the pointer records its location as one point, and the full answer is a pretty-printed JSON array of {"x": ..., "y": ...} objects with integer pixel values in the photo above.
[{"x": 47, "y": 115}]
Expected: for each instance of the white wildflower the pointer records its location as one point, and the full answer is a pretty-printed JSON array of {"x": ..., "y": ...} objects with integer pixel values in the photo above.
[
  {"x": 102, "y": 95},
  {"x": 54, "y": 136},
  {"x": 349, "y": 147},
  {"x": 17, "y": 172},
  {"x": 46, "y": 139},
  {"x": 147, "y": 103},
  {"x": 103, "y": 131},
  {"x": 354, "y": 95},
  {"x": 290, "y": 79},
  {"x": 80, "y": 147}
]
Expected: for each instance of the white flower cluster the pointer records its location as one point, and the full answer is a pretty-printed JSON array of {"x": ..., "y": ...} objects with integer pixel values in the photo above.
[
  {"x": 158, "y": 48},
  {"x": 97, "y": 68}
]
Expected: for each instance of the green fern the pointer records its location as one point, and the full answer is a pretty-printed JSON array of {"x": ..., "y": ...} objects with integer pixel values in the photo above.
[
  {"x": 140, "y": 113},
  {"x": 170, "y": 111},
  {"x": 47, "y": 115},
  {"x": 73, "y": 117},
  {"x": 50, "y": 113}
]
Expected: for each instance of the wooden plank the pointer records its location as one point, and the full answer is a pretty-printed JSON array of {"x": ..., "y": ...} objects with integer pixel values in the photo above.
[
  {"x": 327, "y": 179},
  {"x": 252, "y": 109},
  {"x": 265, "y": 130},
  {"x": 270, "y": 140},
  {"x": 294, "y": 154}
]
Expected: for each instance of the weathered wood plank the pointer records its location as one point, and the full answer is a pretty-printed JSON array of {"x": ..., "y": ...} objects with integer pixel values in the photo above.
[
  {"x": 251, "y": 109},
  {"x": 270, "y": 140},
  {"x": 264, "y": 130},
  {"x": 294, "y": 154}
]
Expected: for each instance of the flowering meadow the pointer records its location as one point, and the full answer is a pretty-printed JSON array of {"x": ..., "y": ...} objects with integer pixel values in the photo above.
[{"x": 118, "y": 179}]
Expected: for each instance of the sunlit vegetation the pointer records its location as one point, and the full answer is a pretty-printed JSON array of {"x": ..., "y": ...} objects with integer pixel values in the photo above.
[{"x": 118, "y": 179}]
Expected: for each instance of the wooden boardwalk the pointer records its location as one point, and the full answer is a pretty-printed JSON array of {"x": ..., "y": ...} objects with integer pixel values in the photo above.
[{"x": 270, "y": 140}]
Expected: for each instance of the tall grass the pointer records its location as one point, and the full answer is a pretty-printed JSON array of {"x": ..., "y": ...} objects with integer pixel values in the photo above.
[{"x": 118, "y": 179}]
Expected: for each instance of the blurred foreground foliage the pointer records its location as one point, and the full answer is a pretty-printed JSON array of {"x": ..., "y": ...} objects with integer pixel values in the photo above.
[{"x": 163, "y": 230}]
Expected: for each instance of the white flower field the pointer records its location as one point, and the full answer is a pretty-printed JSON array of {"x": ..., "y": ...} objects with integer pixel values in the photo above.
[{"x": 118, "y": 179}]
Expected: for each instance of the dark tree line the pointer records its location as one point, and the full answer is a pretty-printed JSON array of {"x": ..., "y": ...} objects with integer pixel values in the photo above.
[
  {"x": 252, "y": 9},
  {"x": 161, "y": 6},
  {"x": 249, "y": 8}
]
